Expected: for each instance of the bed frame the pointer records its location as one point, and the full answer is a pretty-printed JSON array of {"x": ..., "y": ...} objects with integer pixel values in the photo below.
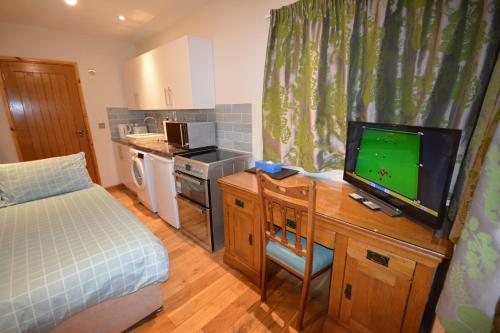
[{"x": 115, "y": 315}]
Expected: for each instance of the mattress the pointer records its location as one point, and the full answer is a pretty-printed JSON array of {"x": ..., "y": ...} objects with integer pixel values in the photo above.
[{"x": 63, "y": 254}]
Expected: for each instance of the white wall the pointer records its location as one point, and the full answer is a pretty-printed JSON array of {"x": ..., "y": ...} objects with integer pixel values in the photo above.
[
  {"x": 238, "y": 30},
  {"x": 99, "y": 91}
]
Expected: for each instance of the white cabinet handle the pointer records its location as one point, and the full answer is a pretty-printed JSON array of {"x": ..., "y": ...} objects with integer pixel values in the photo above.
[
  {"x": 170, "y": 97},
  {"x": 136, "y": 98},
  {"x": 165, "y": 96}
]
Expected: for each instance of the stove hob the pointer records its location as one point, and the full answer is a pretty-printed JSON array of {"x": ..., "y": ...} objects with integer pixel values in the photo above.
[{"x": 211, "y": 156}]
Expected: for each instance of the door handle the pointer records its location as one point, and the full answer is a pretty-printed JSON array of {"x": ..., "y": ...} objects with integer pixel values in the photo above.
[
  {"x": 347, "y": 291},
  {"x": 80, "y": 133},
  {"x": 136, "y": 99},
  {"x": 189, "y": 179}
]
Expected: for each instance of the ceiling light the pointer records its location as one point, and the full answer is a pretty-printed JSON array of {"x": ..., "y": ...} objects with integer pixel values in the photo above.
[
  {"x": 71, "y": 2},
  {"x": 121, "y": 17}
]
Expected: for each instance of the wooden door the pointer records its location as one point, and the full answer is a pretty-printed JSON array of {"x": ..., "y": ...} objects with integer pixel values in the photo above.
[
  {"x": 376, "y": 288},
  {"x": 46, "y": 111},
  {"x": 244, "y": 238}
]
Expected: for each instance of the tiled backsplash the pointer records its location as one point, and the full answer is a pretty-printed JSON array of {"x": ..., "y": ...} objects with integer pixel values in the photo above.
[
  {"x": 123, "y": 116},
  {"x": 233, "y": 122},
  {"x": 234, "y": 126}
]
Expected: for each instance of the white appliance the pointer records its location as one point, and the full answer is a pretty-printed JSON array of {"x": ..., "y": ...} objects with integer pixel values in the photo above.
[
  {"x": 184, "y": 134},
  {"x": 142, "y": 175},
  {"x": 124, "y": 130},
  {"x": 198, "y": 194},
  {"x": 164, "y": 181}
]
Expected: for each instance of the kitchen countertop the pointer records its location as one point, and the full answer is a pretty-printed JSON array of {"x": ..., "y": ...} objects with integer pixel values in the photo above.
[{"x": 154, "y": 147}]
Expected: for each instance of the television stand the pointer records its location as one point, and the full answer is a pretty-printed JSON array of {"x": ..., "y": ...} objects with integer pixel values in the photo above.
[{"x": 384, "y": 206}]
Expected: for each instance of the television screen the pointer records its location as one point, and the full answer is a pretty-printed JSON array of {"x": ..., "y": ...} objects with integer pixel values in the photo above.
[{"x": 409, "y": 167}]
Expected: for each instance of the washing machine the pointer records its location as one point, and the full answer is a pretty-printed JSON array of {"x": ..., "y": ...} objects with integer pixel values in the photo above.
[{"x": 142, "y": 175}]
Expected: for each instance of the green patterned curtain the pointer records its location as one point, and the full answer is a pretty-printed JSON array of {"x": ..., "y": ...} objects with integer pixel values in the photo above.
[
  {"x": 489, "y": 118},
  {"x": 416, "y": 62},
  {"x": 472, "y": 286}
]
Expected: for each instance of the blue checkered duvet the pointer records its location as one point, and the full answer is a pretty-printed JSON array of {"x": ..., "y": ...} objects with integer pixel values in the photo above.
[{"x": 62, "y": 254}]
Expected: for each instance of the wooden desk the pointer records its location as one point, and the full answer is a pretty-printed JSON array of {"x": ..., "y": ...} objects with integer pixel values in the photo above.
[{"x": 383, "y": 266}]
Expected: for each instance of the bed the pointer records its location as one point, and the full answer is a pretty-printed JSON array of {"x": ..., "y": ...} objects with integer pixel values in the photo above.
[{"x": 77, "y": 261}]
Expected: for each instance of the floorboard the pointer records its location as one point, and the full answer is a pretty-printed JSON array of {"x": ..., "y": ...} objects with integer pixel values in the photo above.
[{"x": 202, "y": 294}]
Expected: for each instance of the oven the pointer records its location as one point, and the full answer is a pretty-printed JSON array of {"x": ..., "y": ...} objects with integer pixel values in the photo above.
[{"x": 193, "y": 200}]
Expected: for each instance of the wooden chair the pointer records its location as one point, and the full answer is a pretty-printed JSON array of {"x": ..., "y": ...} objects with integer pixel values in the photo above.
[{"x": 296, "y": 254}]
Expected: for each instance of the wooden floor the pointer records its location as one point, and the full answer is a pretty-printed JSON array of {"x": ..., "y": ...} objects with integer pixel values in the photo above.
[{"x": 202, "y": 294}]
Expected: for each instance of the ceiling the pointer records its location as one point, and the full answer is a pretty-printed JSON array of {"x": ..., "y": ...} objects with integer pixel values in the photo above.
[{"x": 100, "y": 18}]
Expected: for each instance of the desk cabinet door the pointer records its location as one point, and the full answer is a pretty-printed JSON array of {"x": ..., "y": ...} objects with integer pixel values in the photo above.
[
  {"x": 243, "y": 230},
  {"x": 376, "y": 289}
]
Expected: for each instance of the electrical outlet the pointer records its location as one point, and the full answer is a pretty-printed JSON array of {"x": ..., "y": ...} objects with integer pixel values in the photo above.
[{"x": 101, "y": 125}]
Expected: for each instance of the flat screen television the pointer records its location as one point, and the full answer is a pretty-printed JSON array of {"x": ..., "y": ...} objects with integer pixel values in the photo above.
[{"x": 409, "y": 167}]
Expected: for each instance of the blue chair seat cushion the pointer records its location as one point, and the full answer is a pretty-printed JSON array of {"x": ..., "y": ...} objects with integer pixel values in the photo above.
[{"x": 322, "y": 256}]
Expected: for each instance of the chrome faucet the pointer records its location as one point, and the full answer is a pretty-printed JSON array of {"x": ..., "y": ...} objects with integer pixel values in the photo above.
[{"x": 152, "y": 118}]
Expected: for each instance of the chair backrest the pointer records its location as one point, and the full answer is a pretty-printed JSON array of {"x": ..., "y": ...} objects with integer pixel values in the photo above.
[{"x": 297, "y": 200}]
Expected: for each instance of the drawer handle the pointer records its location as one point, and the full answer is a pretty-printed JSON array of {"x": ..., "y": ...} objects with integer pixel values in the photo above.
[
  {"x": 377, "y": 258},
  {"x": 250, "y": 239},
  {"x": 239, "y": 203}
]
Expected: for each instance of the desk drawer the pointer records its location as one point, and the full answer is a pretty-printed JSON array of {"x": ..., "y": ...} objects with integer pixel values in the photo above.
[
  {"x": 382, "y": 259},
  {"x": 241, "y": 203}
]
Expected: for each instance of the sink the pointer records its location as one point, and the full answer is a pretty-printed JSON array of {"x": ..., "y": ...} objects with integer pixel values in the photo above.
[{"x": 145, "y": 137}]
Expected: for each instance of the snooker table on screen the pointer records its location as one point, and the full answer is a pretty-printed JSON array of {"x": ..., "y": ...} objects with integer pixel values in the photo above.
[{"x": 390, "y": 159}]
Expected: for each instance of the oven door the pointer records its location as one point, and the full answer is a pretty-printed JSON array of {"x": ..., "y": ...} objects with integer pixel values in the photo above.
[
  {"x": 193, "y": 200},
  {"x": 192, "y": 188},
  {"x": 195, "y": 221}
]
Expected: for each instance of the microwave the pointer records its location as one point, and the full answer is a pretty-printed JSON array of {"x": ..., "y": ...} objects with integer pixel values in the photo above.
[{"x": 184, "y": 134}]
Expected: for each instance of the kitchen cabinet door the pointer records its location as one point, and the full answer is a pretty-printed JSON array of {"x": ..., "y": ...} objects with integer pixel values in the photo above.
[
  {"x": 143, "y": 82},
  {"x": 192, "y": 82},
  {"x": 152, "y": 86},
  {"x": 132, "y": 78},
  {"x": 123, "y": 161},
  {"x": 177, "y": 75},
  {"x": 174, "y": 74}
]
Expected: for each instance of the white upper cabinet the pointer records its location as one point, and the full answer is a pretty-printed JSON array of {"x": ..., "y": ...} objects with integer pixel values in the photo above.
[{"x": 178, "y": 75}]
